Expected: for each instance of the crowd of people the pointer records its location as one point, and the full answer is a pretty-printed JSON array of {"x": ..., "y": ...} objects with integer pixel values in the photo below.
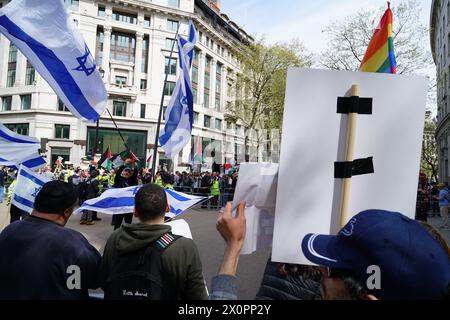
[
  {"x": 42, "y": 259},
  {"x": 93, "y": 181}
]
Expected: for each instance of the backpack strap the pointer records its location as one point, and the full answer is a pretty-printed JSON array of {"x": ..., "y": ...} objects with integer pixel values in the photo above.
[{"x": 165, "y": 241}]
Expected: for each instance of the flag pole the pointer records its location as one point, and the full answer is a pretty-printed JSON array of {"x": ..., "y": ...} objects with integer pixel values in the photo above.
[
  {"x": 118, "y": 130},
  {"x": 158, "y": 126},
  {"x": 349, "y": 153},
  {"x": 95, "y": 147}
]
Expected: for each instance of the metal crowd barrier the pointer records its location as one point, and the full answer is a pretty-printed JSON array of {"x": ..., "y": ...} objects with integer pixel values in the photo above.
[{"x": 226, "y": 195}]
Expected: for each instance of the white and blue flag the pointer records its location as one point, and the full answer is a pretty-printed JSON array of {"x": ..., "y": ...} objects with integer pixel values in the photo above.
[
  {"x": 16, "y": 149},
  {"x": 121, "y": 200},
  {"x": 46, "y": 34},
  {"x": 180, "y": 111},
  {"x": 27, "y": 187}
]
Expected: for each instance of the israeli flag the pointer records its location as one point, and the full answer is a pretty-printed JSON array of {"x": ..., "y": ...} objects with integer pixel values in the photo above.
[
  {"x": 117, "y": 201},
  {"x": 27, "y": 187},
  {"x": 180, "y": 111},
  {"x": 46, "y": 34},
  {"x": 16, "y": 149}
]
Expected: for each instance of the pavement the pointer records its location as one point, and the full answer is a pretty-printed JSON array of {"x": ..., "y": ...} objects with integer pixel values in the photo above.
[{"x": 210, "y": 245}]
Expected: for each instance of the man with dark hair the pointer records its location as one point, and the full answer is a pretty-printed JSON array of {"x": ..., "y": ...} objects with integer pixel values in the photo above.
[
  {"x": 146, "y": 261},
  {"x": 380, "y": 255},
  {"x": 40, "y": 258}
]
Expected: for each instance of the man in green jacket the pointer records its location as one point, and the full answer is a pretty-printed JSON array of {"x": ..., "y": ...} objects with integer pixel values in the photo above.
[{"x": 178, "y": 267}]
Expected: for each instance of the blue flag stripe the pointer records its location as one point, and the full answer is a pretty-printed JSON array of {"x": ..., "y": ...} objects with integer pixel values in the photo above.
[
  {"x": 24, "y": 201},
  {"x": 177, "y": 196},
  {"x": 33, "y": 163},
  {"x": 32, "y": 178},
  {"x": 56, "y": 68},
  {"x": 112, "y": 202},
  {"x": 14, "y": 139}
]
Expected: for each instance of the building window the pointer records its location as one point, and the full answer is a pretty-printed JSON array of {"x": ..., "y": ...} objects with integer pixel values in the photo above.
[
  {"x": 123, "y": 47},
  {"x": 19, "y": 128},
  {"x": 143, "y": 111},
  {"x": 29, "y": 75},
  {"x": 229, "y": 125},
  {"x": 11, "y": 78},
  {"x": 143, "y": 84},
  {"x": 170, "y": 43},
  {"x": 147, "y": 21},
  {"x": 218, "y": 124},
  {"x": 25, "y": 102},
  {"x": 101, "y": 11},
  {"x": 207, "y": 83},
  {"x": 195, "y": 94},
  {"x": 124, "y": 17},
  {"x": 144, "y": 60},
  {"x": 62, "y": 131},
  {"x": 12, "y": 61},
  {"x": 172, "y": 25},
  {"x": 72, "y": 4},
  {"x": 195, "y": 117},
  {"x": 206, "y": 99},
  {"x": 174, "y": 3},
  {"x": 6, "y": 103},
  {"x": 172, "y": 69},
  {"x": 61, "y": 106},
  {"x": 238, "y": 129},
  {"x": 207, "y": 122},
  {"x": 12, "y": 57},
  {"x": 121, "y": 81},
  {"x": 119, "y": 108},
  {"x": 170, "y": 87},
  {"x": 99, "y": 47}
]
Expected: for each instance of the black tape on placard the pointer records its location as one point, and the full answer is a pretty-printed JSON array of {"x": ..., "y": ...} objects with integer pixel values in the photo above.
[
  {"x": 343, "y": 170},
  {"x": 354, "y": 105}
]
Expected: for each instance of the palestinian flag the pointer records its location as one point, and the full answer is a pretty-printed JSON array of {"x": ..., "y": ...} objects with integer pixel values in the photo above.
[
  {"x": 105, "y": 160},
  {"x": 119, "y": 159}
]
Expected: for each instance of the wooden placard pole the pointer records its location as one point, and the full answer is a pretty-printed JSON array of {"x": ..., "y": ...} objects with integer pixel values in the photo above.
[{"x": 349, "y": 154}]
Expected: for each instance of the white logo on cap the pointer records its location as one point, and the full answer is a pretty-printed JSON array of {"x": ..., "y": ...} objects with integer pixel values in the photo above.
[{"x": 348, "y": 229}]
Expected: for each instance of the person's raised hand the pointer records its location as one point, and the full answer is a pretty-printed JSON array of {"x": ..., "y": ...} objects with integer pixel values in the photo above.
[{"x": 232, "y": 229}]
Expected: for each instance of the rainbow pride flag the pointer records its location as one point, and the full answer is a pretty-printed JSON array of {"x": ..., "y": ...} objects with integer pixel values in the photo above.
[{"x": 380, "y": 55}]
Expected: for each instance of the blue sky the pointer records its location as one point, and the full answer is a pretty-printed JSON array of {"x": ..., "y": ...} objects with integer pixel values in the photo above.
[{"x": 282, "y": 20}]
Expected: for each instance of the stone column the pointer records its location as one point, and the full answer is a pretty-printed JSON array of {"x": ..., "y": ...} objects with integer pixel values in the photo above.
[
  {"x": 21, "y": 66},
  {"x": 4, "y": 50},
  {"x": 212, "y": 90},
  {"x": 106, "y": 53},
  {"x": 201, "y": 78},
  {"x": 224, "y": 93},
  {"x": 138, "y": 60}
]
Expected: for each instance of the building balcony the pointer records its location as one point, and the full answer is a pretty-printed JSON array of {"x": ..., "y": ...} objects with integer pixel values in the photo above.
[{"x": 123, "y": 90}]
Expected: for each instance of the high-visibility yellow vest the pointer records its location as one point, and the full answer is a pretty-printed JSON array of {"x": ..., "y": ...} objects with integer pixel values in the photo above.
[
  {"x": 215, "y": 190},
  {"x": 168, "y": 187},
  {"x": 158, "y": 181}
]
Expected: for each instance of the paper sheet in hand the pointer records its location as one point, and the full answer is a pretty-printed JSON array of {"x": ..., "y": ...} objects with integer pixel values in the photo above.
[
  {"x": 257, "y": 187},
  {"x": 308, "y": 197}
]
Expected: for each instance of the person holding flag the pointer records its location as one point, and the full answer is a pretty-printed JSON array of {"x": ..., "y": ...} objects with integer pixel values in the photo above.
[{"x": 126, "y": 176}]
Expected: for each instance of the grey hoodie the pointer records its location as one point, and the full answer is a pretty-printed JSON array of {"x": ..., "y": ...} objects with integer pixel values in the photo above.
[{"x": 182, "y": 267}]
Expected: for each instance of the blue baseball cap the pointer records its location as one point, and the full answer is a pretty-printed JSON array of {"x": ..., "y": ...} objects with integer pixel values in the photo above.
[{"x": 413, "y": 265}]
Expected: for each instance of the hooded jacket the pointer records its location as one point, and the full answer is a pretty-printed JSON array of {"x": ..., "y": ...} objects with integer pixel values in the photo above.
[{"x": 182, "y": 268}]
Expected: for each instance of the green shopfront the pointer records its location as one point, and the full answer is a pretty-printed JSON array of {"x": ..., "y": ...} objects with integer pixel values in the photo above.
[{"x": 136, "y": 141}]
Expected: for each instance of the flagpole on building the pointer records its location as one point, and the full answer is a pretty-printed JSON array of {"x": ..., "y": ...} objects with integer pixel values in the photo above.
[
  {"x": 158, "y": 126},
  {"x": 95, "y": 147}
]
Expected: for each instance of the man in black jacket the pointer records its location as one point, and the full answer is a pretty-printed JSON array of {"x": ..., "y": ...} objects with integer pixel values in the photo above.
[
  {"x": 40, "y": 258},
  {"x": 126, "y": 176}
]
